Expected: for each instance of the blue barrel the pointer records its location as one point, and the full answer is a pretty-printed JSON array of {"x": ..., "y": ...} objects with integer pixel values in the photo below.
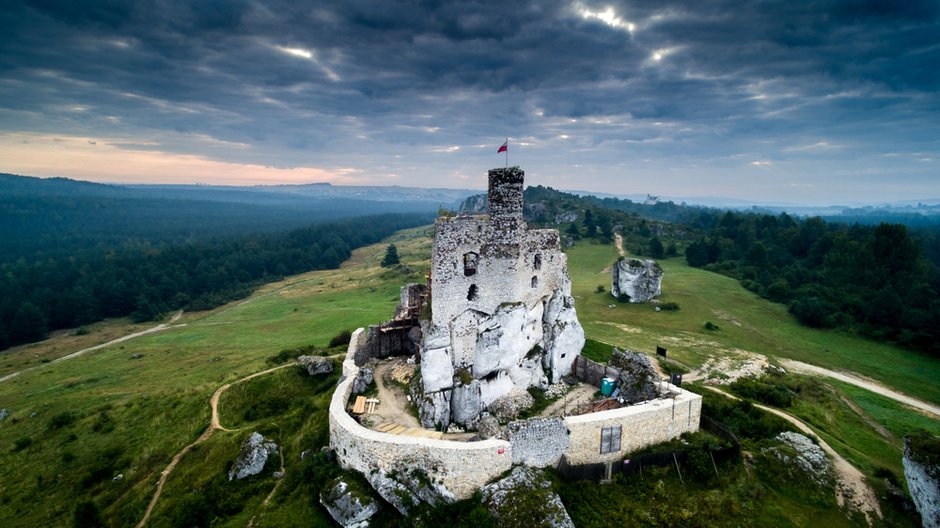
[{"x": 607, "y": 386}]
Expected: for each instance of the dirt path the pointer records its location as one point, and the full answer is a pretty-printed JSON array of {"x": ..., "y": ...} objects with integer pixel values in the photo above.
[
  {"x": 158, "y": 328},
  {"x": 392, "y": 402},
  {"x": 583, "y": 392},
  {"x": 852, "y": 490},
  {"x": 859, "y": 381},
  {"x": 214, "y": 425}
]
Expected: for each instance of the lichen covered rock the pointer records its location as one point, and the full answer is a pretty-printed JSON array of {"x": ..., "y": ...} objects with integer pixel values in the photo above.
[
  {"x": 409, "y": 487},
  {"x": 639, "y": 280},
  {"x": 525, "y": 498},
  {"x": 316, "y": 365},
  {"x": 349, "y": 506},
  {"x": 252, "y": 457},
  {"x": 637, "y": 379},
  {"x": 799, "y": 452},
  {"x": 364, "y": 378}
]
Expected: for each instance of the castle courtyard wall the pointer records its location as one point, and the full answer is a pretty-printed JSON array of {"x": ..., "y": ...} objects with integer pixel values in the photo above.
[{"x": 464, "y": 467}]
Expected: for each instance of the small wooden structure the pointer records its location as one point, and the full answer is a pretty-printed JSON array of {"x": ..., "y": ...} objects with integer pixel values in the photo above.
[{"x": 360, "y": 406}]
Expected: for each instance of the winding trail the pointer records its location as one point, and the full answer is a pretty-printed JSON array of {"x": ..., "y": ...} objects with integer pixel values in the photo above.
[
  {"x": 214, "y": 425},
  {"x": 852, "y": 489},
  {"x": 859, "y": 381},
  {"x": 160, "y": 327}
]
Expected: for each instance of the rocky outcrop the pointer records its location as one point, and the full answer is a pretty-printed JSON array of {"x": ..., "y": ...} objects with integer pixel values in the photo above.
[
  {"x": 639, "y": 280},
  {"x": 348, "y": 505},
  {"x": 564, "y": 337},
  {"x": 525, "y": 498},
  {"x": 637, "y": 379},
  {"x": 922, "y": 471},
  {"x": 252, "y": 457},
  {"x": 316, "y": 365},
  {"x": 801, "y": 453},
  {"x": 408, "y": 488},
  {"x": 364, "y": 378},
  {"x": 508, "y": 406}
]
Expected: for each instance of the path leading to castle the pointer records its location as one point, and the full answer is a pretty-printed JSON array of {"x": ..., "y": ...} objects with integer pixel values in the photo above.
[
  {"x": 158, "y": 328},
  {"x": 859, "y": 381},
  {"x": 852, "y": 489}
]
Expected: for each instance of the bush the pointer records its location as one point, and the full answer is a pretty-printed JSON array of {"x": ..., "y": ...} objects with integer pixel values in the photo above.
[
  {"x": 22, "y": 443},
  {"x": 710, "y": 326},
  {"x": 341, "y": 339},
  {"x": 61, "y": 420},
  {"x": 599, "y": 289},
  {"x": 769, "y": 393},
  {"x": 86, "y": 515},
  {"x": 670, "y": 306}
]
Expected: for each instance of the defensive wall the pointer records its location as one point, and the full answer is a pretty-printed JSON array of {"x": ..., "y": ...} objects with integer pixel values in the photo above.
[{"x": 464, "y": 467}]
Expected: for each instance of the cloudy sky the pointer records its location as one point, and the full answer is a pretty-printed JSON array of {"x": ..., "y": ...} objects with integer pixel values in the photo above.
[{"x": 809, "y": 102}]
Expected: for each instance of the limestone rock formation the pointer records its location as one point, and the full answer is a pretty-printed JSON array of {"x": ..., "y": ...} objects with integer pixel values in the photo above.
[
  {"x": 922, "y": 472},
  {"x": 508, "y": 406},
  {"x": 252, "y": 457},
  {"x": 349, "y": 506},
  {"x": 316, "y": 364},
  {"x": 801, "y": 453},
  {"x": 408, "y": 487},
  {"x": 637, "y": 379},
  {"x": 363, "y": 380},
  {"x": 488, "y": 427},
  {"x": 546, "y": 509},
  {"x": 639, "y": 280}
]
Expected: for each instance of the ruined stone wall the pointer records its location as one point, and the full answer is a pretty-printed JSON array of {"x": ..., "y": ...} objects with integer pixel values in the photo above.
[
  {"x": 530, "y": 277},
  {"x": 538, "y": 442},
  {"x": 462, "y": 467},
  {"x": 642, "y": 425}
]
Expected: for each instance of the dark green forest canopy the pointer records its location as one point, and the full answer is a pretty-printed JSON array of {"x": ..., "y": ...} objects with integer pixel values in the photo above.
[{"x": 144, "y": 282}]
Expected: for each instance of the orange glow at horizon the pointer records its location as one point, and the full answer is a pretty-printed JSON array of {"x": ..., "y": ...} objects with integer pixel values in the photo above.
[{"x": 100, "y": 160}]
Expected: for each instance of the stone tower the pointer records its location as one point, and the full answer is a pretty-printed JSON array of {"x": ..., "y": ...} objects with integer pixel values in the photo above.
[{"x": 502, "y": 317}]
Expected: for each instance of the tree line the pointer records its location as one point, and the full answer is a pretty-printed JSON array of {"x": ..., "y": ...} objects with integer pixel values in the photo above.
[
  {"x": 144, "y": 282},
  {"x": 876, "y": 280}
]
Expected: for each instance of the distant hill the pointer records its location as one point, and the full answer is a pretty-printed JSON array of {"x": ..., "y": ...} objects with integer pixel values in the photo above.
[{"x": 47, "y": 217}]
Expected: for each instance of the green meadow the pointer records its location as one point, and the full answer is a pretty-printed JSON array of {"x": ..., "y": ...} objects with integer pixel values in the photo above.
[{"x": 78, "y": 424}]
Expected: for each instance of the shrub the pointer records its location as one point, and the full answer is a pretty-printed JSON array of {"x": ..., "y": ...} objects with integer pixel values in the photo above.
[
  {"x": 710, "y": 326},
  {"x": 599, "y": 289},
  {"x": 22, "y": 443},
  {"x": 341, "y": 339},
  {"x": 670, "y": 306},
  {"x": 764, "y": 392},
  {"x": 86, "y": 515},
  {"x": 61, "y": 420}
]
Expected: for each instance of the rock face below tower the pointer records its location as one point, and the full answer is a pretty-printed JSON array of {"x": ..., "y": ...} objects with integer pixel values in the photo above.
[{"x": 502, "y": 317}]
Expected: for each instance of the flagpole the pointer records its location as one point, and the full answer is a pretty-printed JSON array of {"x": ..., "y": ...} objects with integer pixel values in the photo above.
[{"x": 507, "y": 152}]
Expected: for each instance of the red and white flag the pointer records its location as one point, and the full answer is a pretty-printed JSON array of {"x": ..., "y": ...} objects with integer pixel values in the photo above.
[{"x": 504, "y": 148}]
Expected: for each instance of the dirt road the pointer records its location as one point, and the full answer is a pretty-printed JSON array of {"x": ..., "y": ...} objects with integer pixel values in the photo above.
[
  {"x": 852, "y": 490},
  {"x": 859, "y": 381},
  {"x": 158, "y": 328}
]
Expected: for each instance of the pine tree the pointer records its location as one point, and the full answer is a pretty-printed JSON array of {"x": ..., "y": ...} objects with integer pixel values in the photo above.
[{"x": 391, "y": 256}]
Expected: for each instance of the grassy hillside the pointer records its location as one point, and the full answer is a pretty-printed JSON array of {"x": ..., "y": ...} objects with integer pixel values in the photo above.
[
  {"x": 746, "y": 323},
  {"x": 76, "y": 425}
]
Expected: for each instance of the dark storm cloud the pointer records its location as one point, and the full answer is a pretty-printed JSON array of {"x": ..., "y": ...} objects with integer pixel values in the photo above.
[{"x": 295, "y": 83}]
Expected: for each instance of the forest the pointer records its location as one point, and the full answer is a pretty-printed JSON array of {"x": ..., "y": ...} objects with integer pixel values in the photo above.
[
  {"x": 879, "y": 280},
  {"x": 145, "y": 281}
]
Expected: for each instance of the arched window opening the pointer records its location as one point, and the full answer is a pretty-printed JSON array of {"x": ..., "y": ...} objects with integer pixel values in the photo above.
[
  {"x": 472, "y": 293},
  {"x": 537, "y": 262},
  {"x": 470, "y": 263},
  {"x": 535, "y": 282}
]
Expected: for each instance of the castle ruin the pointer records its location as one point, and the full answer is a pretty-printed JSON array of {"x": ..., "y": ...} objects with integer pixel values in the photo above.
[{"x": 502, "y": 315}]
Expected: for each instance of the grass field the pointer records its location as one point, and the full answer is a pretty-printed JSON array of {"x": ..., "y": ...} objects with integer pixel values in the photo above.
[
  {"x": 746, "y": 323},
  {"x": 76, "y": 425}
]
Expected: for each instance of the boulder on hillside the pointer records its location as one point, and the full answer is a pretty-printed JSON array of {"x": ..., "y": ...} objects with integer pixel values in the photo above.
[
  {"x": 637, "y": 379},
  {"x": 525, "y": 498},
  {"x": 639, "y": 280},
  {"x": 252, "y": 458},
  {"x": 408, "y": 487},
  {"x": 349, "y": 506},
  {"x": 316, "y": 364}
]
